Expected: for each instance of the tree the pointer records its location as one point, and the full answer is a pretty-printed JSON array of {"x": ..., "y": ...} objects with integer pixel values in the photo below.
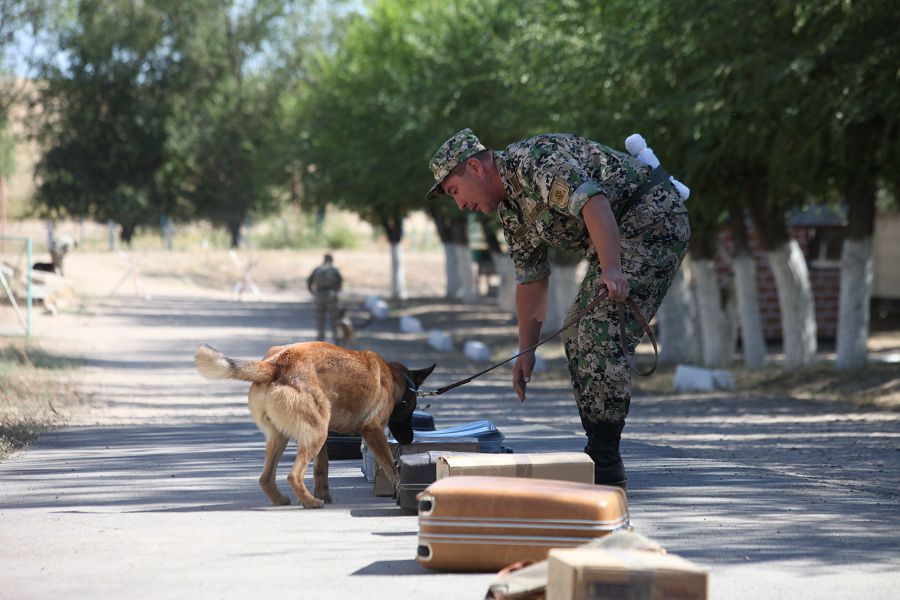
[{"x": 103, "y": 113}]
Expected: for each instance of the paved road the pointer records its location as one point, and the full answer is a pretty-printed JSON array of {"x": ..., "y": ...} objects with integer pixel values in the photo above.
[{"x": 154, "y": 495}]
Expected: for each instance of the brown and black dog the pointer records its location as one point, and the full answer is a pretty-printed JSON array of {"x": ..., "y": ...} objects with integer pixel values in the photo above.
[{"x": 302, "y": 391}]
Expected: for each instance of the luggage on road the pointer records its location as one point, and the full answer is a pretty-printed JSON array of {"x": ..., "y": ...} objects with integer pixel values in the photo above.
[
  {"x": 486, "y": 523},
  {"x": 564, "y": 466},
  {"x": 348, "y": 447}
]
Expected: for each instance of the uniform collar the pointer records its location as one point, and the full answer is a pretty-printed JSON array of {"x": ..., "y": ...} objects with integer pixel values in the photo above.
[{"x": 507, "y": 175}]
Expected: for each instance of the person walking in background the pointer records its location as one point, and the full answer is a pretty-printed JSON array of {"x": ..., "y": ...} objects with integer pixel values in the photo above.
[
  {"x": 324, "y": 284},
  {"x": 624, "y": 213}
]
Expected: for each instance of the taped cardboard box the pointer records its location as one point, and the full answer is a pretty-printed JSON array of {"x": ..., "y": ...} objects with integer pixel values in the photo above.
[
  {"x": 594, "y": 574},
  {"x": 562, "y": 466}
]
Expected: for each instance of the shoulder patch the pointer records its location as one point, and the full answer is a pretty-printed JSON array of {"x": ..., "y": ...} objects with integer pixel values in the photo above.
[{"x": 559, "y": 194}]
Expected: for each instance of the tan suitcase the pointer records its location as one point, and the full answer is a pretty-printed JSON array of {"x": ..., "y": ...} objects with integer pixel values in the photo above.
[
  {"x": 564, "y": 466},
  {"x": 487, "y": 523}
]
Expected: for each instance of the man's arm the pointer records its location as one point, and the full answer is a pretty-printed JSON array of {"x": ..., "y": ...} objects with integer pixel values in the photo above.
[
  {"x": 604, "y": 232},
  {"x": 531, "y": 310}
]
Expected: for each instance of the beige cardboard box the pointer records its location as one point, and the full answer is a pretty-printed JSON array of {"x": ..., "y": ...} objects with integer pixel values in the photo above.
[
  {"x": 595, "y": 574},
  {"x": 563, "y": 466}
]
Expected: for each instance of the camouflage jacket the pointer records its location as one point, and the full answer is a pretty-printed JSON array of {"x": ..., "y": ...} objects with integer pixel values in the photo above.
[
  {"x": 325, "y": 278},
  {"x": 548, "y": 180}
]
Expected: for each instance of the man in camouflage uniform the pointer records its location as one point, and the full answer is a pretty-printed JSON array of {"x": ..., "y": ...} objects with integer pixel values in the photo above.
[
  {"x": 324, "y": 283},
  {"x": 566, "y": 192}
]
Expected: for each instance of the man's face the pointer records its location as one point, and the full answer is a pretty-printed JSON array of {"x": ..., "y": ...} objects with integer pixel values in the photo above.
[{"x": 472, "y": 190}]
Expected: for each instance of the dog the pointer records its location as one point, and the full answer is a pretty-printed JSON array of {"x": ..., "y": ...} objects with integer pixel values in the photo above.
[
  {"x": 58, "y": 252},
  {"x": 301, "y": 391},
  {"x": 346, "y": 330}
]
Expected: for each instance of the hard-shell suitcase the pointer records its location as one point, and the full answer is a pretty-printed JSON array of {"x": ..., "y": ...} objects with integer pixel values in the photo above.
[
  {"x": 564, "y": 466},
  {"x": 417, "y": 472},
  {"x": 383, "y": 485},
  {"x": 486, "y": 523},
  {"x": 347, "y": 447}
]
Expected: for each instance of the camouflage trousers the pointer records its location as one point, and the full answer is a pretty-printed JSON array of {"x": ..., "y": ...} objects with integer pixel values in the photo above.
[
  {"x": 654, "y": 237},
  {"x": 326, "y": 304}
]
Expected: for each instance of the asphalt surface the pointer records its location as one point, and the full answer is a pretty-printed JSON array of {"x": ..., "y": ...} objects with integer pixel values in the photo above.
[{"x": 153, "y": 493}]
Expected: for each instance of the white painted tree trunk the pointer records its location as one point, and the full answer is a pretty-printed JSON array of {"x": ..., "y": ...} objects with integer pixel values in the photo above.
[
  {"x": 461, "y": 282},
  {"x": 398, "y": 272},
  {"x": 564, "y": 285},
  {"x": 753, "y": 343},
  {"x": 713, "y": 332},
  {"x": 678, "y": 340},
  {"x": 451, "y": 270},
  {"x": 506, "y": 293},
  {"x": 795, "y": 300},
  {"x": 853, "y": 310}
]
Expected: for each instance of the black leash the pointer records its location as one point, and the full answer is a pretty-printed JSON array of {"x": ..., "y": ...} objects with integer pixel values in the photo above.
[{"x": 600, "y": 297}]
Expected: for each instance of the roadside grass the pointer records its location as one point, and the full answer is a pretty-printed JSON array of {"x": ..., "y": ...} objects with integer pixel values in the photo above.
[{"x": 35, "y": 394}]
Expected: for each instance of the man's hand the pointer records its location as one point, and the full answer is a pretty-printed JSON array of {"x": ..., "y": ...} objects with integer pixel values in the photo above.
[
  {"x": 616, "y": 283},
  {"x": 522, "y": 373}
]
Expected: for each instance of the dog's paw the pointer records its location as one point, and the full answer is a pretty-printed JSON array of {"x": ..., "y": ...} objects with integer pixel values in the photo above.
[
  {"x": 314, "y": 503},
  {"x": 323, "y": 495},
  {"x": 282, "y": 501}
]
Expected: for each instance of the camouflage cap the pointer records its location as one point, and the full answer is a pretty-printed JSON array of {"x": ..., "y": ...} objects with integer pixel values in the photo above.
[{"x": 460, "y": 146}]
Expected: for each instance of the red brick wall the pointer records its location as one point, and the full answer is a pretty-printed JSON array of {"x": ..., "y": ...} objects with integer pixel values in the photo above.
[{"x": 825, "y": 281}]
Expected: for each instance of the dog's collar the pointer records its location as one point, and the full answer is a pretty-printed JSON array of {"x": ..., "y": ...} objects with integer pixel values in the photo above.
[{"x": 411, "y": 385}]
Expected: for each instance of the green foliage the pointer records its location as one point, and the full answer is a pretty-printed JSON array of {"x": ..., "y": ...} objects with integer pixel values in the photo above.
[{"x": 197, "y": 110}]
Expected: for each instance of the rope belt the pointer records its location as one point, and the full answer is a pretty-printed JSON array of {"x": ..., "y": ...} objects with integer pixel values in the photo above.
[{"x": 581, "y": 314}]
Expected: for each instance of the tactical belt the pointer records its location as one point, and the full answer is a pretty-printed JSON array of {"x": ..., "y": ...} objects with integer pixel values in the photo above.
[{"x": 656, "y": 177}]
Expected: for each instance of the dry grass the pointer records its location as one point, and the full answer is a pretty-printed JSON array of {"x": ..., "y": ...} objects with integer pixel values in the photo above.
[{"x": 35, "y": 394}]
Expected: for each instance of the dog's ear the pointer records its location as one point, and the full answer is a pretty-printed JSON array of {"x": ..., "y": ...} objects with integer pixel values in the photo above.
[{"x": 419, "y": 375}]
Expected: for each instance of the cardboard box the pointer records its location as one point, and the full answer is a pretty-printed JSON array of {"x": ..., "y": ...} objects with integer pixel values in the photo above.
[
  {"x": 595, "y": 574},
  {"x": 563, "y": 466}
]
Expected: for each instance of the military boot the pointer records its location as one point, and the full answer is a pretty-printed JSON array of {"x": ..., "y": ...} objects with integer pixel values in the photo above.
[{"x": 603, "y": 448}]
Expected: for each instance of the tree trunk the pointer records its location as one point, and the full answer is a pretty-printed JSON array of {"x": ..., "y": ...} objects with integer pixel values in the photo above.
[
  {"x": 126, "y": 232},
  {"x": 393, "y": 227},
  {"x": 798, "y": 317},
  {"x": 753, "y": 343},
  {"x": 716, "y": 353},
  {"x": 234, "y": 230},
  {"x": 564, "y": 285},
  {"x": 678, "y": 341},
  {"x": 853, "y": 311},
  {"x": 506, "y": 293},
  {"x": 453, "y": 231},
  {"x": 857, "y": 255},
  {"x": 795, "y": 301},
  {"x": 714, "y": 335}
]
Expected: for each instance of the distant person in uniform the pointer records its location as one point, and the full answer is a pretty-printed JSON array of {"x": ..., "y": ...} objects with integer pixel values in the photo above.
[{"x": 324, "y": 284}]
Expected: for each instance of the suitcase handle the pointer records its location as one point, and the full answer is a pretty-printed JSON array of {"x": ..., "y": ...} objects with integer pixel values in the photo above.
[
  {"x": 423, "y": 552},
  {"x": 426, "y": 506}
]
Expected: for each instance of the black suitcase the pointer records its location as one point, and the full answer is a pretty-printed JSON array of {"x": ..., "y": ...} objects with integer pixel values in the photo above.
[
  {"x": 346, "y": 447},
  {"x": 417, "y": 472}
]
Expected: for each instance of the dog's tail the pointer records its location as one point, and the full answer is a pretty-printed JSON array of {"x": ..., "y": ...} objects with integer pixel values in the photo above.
[{"x": 212, "y": 364}]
